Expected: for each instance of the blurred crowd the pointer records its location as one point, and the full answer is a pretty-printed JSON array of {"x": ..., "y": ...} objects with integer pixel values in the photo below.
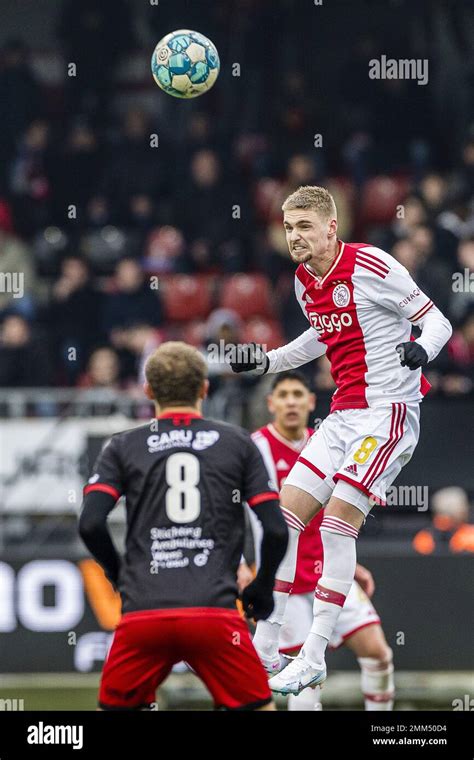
[{"x": 123, "y": 244}]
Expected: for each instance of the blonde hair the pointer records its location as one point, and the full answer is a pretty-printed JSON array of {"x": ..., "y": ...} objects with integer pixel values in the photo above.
[
  {"x": 175, "y": 373},
  {"x": 314, "y": 198}
]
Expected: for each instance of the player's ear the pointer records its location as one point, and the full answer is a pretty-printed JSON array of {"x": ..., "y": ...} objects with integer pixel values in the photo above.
[
  {"x": 148, "y": 390},
  {"x": 312, "y": 402},
  {"x": 332, "y": 228},
  {"x": 270, "y": 404},
  {"x": 204, "y": 389}
]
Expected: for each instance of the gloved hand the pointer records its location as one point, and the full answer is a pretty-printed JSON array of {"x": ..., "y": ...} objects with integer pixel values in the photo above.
[
  {"x": 257, "y": 600},
  {"x": 412, "y": 354},
  {"x": 252, "y": 357}
]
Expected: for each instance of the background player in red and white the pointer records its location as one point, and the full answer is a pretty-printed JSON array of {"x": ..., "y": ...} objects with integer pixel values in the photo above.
[
  {"x": 358, "y": 626},
  {"x": 361, "y": 304},
  {"x": 185, "y": 480}
]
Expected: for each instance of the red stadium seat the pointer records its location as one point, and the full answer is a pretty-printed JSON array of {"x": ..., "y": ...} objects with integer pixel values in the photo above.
[
  {"x": 248, "y": 294},
  {"x": 186, "y": 297},
  {"x": 380, "y": 198},
  {"x": 267, "y": 331}
]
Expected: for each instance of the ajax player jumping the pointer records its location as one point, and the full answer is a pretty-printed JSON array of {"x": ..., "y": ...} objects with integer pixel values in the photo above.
[{"x": 361, "y": 304}]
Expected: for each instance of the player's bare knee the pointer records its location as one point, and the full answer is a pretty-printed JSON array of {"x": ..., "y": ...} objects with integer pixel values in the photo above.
[
  {"x": 345, "y": 511},
  {"x": 302, "y": 504}
]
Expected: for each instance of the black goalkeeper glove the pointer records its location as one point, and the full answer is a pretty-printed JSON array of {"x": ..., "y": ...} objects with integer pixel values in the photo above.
[
  {"x": 249, "y": 356},
  {"x": 412, "y": 355},
  {"x": 257, "y": 600}
]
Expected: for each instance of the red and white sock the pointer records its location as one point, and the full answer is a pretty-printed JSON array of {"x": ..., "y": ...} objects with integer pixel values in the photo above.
[
  {"x": 377, "y": 683},
  {"x": 339, "y": 545},
  {"x": 267, "y": 633}
]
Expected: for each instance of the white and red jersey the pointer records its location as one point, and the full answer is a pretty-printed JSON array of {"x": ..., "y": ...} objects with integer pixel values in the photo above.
[
  {"x": 280, "y": 454},
  {"x": 359, "y": 311}
]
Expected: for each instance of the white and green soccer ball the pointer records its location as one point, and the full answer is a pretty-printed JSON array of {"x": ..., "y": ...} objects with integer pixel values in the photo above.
[{"x": 185, "y": 64}]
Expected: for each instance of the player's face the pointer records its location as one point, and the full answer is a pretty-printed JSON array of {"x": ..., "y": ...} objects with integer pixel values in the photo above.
[
  {"x": 290, "y": 404},
  {"x": 307, "y": 234}
]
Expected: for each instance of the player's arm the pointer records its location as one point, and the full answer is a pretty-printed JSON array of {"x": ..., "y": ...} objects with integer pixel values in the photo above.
[
  {"x": 305, "y": 348},
  {"x": 262, "y": 497},
  {"x": 398, "y": 292},
  {"x": 302, "y": 350},
  {"x": 100, "y": 496}
]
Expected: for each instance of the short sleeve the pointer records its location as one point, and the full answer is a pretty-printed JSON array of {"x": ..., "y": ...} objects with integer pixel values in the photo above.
[
  {"x": 107, "y": 472},
  {"x": 257, "y": 486}
]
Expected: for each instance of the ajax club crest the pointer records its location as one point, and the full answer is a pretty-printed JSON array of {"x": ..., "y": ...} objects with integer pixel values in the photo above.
[{"x": 341, "y": 295}]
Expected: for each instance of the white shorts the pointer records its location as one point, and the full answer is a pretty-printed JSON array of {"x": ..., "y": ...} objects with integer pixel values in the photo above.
[
  {"x": 358, "y": 612},
  {"x": 356, "y": 454}
]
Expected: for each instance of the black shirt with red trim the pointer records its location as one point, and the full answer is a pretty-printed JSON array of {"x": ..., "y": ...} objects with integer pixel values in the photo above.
[{"x": 185, "y": 480}]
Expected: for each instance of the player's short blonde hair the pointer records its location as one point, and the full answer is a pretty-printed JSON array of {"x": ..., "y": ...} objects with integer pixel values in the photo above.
[
  {"x": 175, "y": 373},
  {"x": 313, "y": 198}
]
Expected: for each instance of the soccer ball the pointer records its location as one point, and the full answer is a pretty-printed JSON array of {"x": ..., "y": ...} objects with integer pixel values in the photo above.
[{"x": 185, "y": 64}]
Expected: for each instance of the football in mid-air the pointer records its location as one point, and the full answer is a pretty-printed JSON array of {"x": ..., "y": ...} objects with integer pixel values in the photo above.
[{"x": 185, "y": 64}]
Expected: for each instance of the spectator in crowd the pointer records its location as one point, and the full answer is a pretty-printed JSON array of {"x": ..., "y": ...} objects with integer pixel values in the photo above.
[
  {"x": 103, "y": 370},
  {"x": 72, "y": 316},
  {"x": 450, "y": 530},
  {"x": 134, "y": 167},
  {"x": 94, "y": 35},
  {"x": 462, "y": 285},
  {"x": 165, "y": 251},
  {"x": 461, "y": 354},
  {"x": 433, "y": 190},
  {"x": 418, "y": 255},
  {"x": 411, "y": 214},
  {"x": 30, "y": 181},
  {"x": 20, "y": 101},
  {"x": 226, "y": 389},
  {"x": 98, "y": 213},
  {"x": 17, "y": 276},
  {"x": 206, "y": 205},
  {"x": 458, "y": 217},
  {"x": 24, "y": 355},
  {"x": 132, "y": 301},
  {"x": 463, "y": 180},
  {"x": 81, "y": 159}
]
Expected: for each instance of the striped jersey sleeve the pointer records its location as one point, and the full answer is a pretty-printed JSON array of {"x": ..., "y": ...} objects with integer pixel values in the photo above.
[{"x": 391, "y": 285}]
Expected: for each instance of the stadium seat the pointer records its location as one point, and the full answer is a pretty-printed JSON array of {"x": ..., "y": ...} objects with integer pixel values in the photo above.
[
  {"x": 186, "y": 297},
  {"x": 248, "y": 294},
  {"x": 380, "y": 198},
  {"x": 267, "y": 331}
]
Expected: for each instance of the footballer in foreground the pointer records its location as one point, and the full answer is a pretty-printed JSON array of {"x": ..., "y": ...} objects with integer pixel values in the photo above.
[{"x": 361, "y": 305}]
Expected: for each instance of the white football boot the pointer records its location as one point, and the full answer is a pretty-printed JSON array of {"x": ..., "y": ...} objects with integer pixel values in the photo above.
[{"x": 297, "y": 676}]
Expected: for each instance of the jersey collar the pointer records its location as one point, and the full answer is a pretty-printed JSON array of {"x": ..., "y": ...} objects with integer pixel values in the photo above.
[
  {"x": 180, "y": 418},
  {"x": 286, "y": 441},
  {"x": 321, "y": 280}
]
